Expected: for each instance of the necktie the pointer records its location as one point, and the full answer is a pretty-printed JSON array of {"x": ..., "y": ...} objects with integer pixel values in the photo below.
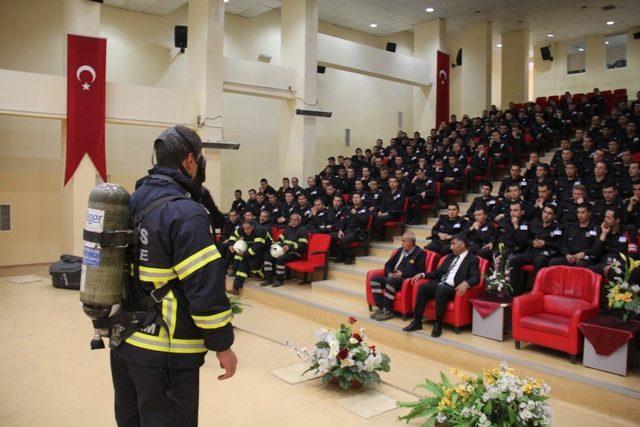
[{"x": 443, "y": 281}]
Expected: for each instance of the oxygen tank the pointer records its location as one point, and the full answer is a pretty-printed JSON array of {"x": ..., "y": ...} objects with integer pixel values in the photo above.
[{"x": 103, "y": 269}]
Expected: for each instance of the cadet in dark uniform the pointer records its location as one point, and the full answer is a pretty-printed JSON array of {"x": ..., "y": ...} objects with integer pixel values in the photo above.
[
  {"x": 544, "y": 243},
  {"x": 391, "y": 207},
  {"x": 156, "y": 370},
  {"x": 443, "y": 231},
  {"x": 484, "y": 201},
  {"x": 577, "y": 247},
  {"x": 612, "y": 242},
  {"x": 294, "y": 242},
  {"x": 238, "y": 204},
  {"x": 352, "y": 229},
  {"x": 258, "y": 241},
  {"x": 481, "y": 234}
]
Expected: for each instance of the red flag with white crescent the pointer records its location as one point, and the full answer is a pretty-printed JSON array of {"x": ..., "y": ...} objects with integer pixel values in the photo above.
[
  {"x": 442, "y": 88},
  {"x": 86, "y": 78}
]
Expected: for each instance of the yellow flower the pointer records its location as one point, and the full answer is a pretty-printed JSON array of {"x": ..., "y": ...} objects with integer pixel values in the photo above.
[{"x": 625, "y": 297}]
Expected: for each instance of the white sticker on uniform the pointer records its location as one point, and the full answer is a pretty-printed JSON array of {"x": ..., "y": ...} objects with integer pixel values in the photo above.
[
  {"x": 524, "y": 227},
  {"x": 95, "y": 220},
  {"x": 622, "y": 239},
  {"x": 491, "y": 202},
  {"x": 456, "y": 225},
  {"x": 485, "y": 228},
  {"x": 593, "y": 233},
  {"x": 556, "y": 233}
]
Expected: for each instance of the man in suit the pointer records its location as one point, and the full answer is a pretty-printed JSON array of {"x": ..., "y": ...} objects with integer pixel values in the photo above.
[
  {"x": 405, "y": 263},
  {"x": 456, "y": 274}
]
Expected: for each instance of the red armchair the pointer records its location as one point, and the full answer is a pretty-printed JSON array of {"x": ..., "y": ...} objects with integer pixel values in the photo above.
[
  {"x": 403, "y": 303},
  {"x": 459, "y": 310},
  {"x": 549, "y": 316}
]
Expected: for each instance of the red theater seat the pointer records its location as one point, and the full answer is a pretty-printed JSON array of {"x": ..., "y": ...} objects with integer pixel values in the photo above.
[
  {"x": 459, "y": 310},
  {"x": 401, "y": 222},
  {"x": 317, "y": 257},
  {"x": 403, "y": 303},
  {"x": 562, "y": 297}
]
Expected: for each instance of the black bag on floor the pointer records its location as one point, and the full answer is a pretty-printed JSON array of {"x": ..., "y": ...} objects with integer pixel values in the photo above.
[{"x": 65, "y": 273}]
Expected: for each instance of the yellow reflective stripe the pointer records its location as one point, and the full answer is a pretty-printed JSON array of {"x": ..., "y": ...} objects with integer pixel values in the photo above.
[
  {"x": 303, "y": 240},
  {"x": 196, "y": 261},
  {"x": 251, "y": 252},
  {"x": 214, "y": 321},
  {"x": 241, "y": 274},
  {"x": 170, "y": 314},
  {"x": 150, "y": 274},
  {"x": 292, "y": 243},
  {"x": 150, "y": 342},
  {"x": 238, "y": 257},
  {"x": 259, "y": 240}
]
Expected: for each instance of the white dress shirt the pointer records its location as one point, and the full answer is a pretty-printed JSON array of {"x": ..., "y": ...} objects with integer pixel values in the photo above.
[{"x": 454, "y": 269}]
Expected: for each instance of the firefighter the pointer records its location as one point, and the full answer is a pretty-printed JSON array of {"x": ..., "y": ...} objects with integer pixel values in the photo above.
[
  {"x": 258, "y": 241},
  {"x": 156, "y": 370},
  {"x": 294, "y": 243}
]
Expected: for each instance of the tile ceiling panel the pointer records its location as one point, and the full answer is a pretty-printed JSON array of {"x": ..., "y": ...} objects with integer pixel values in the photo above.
[{"x": 567, "y": 19}]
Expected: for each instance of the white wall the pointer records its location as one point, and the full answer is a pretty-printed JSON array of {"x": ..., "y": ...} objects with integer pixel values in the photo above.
[{"x": 551, "y": 78}]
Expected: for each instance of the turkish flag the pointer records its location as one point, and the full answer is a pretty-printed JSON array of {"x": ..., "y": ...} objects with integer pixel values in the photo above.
[
  {"x": 442, "y": 88},
  {"x": 86, "y": 69}
]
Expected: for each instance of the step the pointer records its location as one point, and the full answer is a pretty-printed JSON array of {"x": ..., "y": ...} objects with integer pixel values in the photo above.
[
  {"x": 332, "y": 304},
  {"x": 342, "y": 288},
  {"x": 380, "y": 249},
  {"x": 348, "y": 272},
  {"x": 370, "y": 262}
]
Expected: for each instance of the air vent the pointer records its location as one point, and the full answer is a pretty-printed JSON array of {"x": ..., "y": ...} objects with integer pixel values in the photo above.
[
  {"x": 5, "y": 217},
  {"x": 608, "y": 7}
]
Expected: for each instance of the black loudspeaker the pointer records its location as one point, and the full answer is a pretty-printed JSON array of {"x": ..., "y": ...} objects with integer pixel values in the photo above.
[
  {"x": 321, "y": 69},
  {"x": 98, "y": 1},
  {"x": 458, "y": 59},
  {"x": 391, "y": 47},
  {"x": 180, "y": 36},
  {"x": 636, "y": 35},
  {"x": 546, "y": 53}
]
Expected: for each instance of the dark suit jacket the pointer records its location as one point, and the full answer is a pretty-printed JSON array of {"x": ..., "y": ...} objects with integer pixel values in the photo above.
[
  {"x": 469, "y": 270},
  {"x": 411, "y": 265}
]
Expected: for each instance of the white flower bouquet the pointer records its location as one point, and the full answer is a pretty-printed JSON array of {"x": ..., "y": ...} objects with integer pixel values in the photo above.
[
  {"x": 344, "y": 357},
  {"x": 499, "y": 281},
  {"x": 497, "y": 398}
]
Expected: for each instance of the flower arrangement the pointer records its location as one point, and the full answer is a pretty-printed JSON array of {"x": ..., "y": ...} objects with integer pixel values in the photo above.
[
  {"x": 496, "y": 398},
  {"x": 623, "y": 297},
  {"x": 344, "y": 357},
  {"x": 499, "y": 281}
]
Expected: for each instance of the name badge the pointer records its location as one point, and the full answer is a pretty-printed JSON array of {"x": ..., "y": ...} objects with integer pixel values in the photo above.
[
  {"x": 491, "y": 202},
  {"x": 397, "y": 196},
  {"x": 622, "y": 239},
  {"x": 411, "y": 261},
  {"x": 430, "y": 181},
  {"x": 524, "y": 227},
  {"x": 455, "y": 169},
  {"x": 485, "y": 228},
  {"x": 523, "y": 183},
  {"x": 456, "y": 225},
  {"x": 577, "y": 182},
  {"x": 592, "y": 233},
  {"x": 556, "y": 232}
]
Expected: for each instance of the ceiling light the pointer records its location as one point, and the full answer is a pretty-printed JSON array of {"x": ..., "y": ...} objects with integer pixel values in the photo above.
[
  {"x": 610, "y": 22},
  {"x": 429, "y": 9},
  {"x": 226, "y": 1},
  {"x": 606, "y": 42},
  {"x": 373, "y": 25},
  {"x": 550, "y": 35},
  {"x": 499, "y": 45},
  {"x": 581, "y": 49}
]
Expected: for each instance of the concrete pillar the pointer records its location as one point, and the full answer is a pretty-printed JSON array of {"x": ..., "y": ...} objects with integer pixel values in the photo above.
[
  {"x": 475, "y": 93},
  {"x": 428, "y": 38},
  {"x": 205, "y": 68},
  {"x": 297, "y": 148},
  {"x": 515, "y": 66},
  {"x": 83, "y": 18}
]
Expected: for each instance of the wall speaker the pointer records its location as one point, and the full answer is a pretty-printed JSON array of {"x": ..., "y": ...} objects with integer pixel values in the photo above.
[
  {"x": 636, "y": 35},
  {"x": 391, "y": 47},
  {"x": 458, "y": 59},
  {"x": 321, "y": 69},
  {"x": 546, "y": 53},
  {"x": 180, "y": 37}
]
